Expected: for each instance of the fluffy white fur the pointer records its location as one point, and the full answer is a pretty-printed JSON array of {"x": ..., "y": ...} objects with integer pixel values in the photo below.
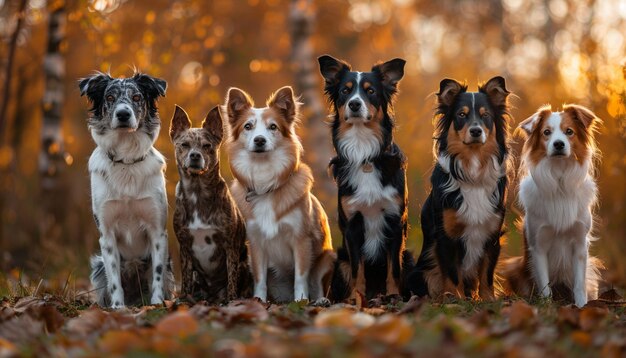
[
  {"x": 129, "y": 200},
  {"x": 370, "y": 198},
  {"x": 478, "y": 214},
  {"x": 558, "y": 195}
]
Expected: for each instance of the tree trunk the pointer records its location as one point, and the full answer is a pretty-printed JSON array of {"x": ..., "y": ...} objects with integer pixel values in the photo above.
[
  {"x": 307, "y": 79},
  {"x": 52, "y": 157},
  {"x": 9, "y": 70}
]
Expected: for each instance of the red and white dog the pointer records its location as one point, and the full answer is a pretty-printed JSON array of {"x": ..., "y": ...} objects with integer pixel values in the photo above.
[
  {"x": 291, "y": 251},
  {"x": 558, "y": 193}
]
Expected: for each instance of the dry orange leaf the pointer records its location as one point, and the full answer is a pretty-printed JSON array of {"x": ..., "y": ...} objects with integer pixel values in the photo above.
[
  {"x": 521, "y": 315},
  {"x": 390, "y": 329},
  {"x": 582, "y": 338},
  {"x": 179, "y": 324},
  {"x": 591, "y": 317},
  {"x": 568, "y": 315},
  {"x": 120, "y": 342}
]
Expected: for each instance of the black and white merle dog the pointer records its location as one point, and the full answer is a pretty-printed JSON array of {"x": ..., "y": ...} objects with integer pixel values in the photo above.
[
  {"x": 128, "y": 190},
  {"x": 463, "y": 215},
  {"x": 370, "y": 171}
]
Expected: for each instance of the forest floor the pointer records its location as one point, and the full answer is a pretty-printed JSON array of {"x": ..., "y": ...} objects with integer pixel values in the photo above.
[{"x": 67, "y": 324}]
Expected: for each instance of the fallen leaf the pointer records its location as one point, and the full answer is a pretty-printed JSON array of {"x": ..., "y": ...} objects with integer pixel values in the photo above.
[
  {"x": 581, "y": 338},
  {"x": 343, "y": 318},
  {"x": 568, "y": 315},
  {"x": 521, "y": 315},
  {"x": 591, "y": 317},
  {"x": 611, "y": 295},
  {"x": 244, "y": 311},
  {"x": 179, "y": 324},
  {"x": 120, "y": 342},
  {"x": 389, "y": 329}
]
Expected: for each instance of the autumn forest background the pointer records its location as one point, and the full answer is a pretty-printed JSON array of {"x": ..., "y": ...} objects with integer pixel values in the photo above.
[{"x": 549, "y": 51}]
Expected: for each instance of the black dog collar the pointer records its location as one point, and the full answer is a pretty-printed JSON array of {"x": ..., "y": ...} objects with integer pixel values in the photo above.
[{"x": 121, "y": 161}]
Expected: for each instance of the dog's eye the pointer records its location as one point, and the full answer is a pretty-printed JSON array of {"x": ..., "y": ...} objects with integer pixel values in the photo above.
[
  {"x": 110, "y": 98},
  {"x": 206, "y": 146},
  {"x": 569, "y": 131},
  {"x": 547, "y": 132},
  {"x": 186, "y": 145},
  {"x": 273, "y": 127},
  {"x": 484, "y": 115},
  {"x": 345, "y": 90},
  {"x": 370, "y": 91},
  {"x": 247, "y": 126},
  {"x": 462, "y": 115},
  {"x": 136, "y": 98}
]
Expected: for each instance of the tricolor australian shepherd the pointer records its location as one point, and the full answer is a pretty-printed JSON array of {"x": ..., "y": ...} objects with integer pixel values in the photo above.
[
  {"x": 463, "y": 215},
  {"x": 370, "y": 171},
  {"x": 557, "y": 192},
  {"x": 290, "y": 244}
]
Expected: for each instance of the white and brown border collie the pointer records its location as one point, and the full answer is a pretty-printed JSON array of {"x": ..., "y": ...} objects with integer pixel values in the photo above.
[
  {"x": 287, "y": 228},
  {"x": 558, "y": 193}
]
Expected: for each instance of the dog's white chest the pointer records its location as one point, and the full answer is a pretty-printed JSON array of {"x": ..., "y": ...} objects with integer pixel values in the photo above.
[
  {"x": 478, "y": 208},
  {"x": 203, "y": 244},
  {"x": 374, "y": 202}
]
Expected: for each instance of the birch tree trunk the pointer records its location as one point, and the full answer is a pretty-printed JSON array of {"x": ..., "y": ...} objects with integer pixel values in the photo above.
[
  {"x": 53, "y": 159},
  {"x": 307, "y": 79}
]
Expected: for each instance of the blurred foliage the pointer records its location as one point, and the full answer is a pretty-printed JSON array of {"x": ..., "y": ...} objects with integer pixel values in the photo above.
[{"x": 550, "y": 51}]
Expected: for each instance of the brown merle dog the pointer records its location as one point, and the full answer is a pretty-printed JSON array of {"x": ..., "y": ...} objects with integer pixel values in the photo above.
[{"x": 209, "y": 227}]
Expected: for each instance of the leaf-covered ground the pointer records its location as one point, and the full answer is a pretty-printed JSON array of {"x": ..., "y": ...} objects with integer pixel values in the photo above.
[{"x": 56, "y": 325}]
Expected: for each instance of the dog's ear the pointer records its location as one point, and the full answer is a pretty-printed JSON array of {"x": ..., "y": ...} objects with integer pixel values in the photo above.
[
  {"x": 528, "y": 125},
  {"x": 332, "y": 69},
  {"x": 283, "y": 100},
  {"x": 496, "y": 90},
  {"x": 391, "y": 73},
  {"x": 581, "y": 114},
  {"x": 213, "y": 123},
  {"x": 94, "y": 88},
  {"x": 180, "y": 123},
  {"x": 153, "y": 86},
  {"x": 448, "y": 90},
  {"x": 237, "y": 102}
]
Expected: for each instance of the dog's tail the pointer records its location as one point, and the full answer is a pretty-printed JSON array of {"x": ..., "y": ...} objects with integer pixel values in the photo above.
[
  {"x": 594, "y": 277},
  {"x": 98, "y": 279},
  {"x": 513, "y": 277}
]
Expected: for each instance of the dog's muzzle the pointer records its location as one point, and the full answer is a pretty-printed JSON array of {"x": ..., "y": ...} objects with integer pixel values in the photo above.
[{"x": 259, "y": 144}]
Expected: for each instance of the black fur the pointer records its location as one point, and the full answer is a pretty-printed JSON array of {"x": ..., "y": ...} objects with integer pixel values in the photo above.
[
  {"x": 390, "y": 163},
  {"x": 439, "y": 251}
]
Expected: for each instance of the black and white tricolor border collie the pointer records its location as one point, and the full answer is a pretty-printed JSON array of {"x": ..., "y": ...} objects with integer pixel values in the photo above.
[{"x": 370, "y": 171}]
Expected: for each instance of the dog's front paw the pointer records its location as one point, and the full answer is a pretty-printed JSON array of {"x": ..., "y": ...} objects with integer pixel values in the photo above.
[
  {"x": 156, "y": 300},
  {"x": 321, "y": 302},
  {"x": 117, "y": 306}
]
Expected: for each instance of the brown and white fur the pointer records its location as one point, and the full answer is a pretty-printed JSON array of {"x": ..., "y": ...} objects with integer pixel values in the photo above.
[
  {"x": 558, "y": 193},
  {"x": 208, "y": 225},
  {"x": 287, "y": 228}
]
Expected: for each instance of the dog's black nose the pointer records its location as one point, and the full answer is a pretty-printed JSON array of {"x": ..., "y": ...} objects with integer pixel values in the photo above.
[
  {"x": 559, "y": 145},
  {"x": 476, "y": 132},
  {"x": 194, "y": 156},
  {"x": 259, "y": 141},
  {"x": 123, "y": 116},
  {"x": 354, "y": 105}
]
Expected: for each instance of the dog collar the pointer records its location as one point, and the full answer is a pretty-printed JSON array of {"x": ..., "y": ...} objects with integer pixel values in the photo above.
[{"x": 121, "y": 161}]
